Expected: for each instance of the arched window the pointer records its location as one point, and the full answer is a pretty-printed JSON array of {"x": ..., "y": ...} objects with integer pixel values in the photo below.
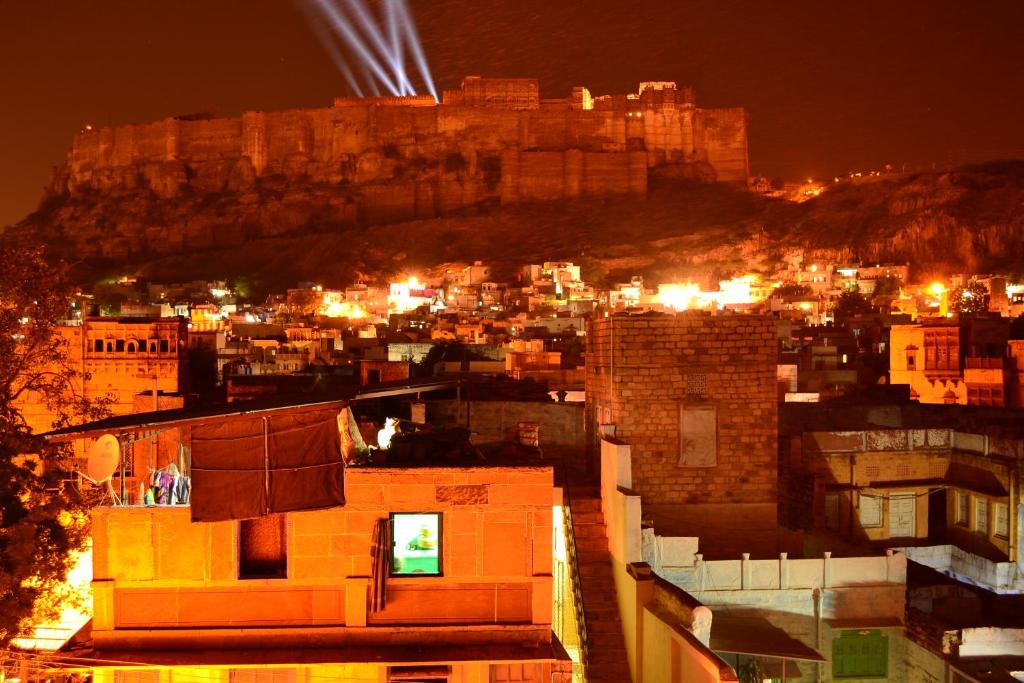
[{"x": 132, "y": 346}]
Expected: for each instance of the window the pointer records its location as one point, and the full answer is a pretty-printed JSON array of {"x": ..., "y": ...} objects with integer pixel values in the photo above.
[
  {"x": 697, "y": 384},
  {"x": 961, "y": 508},
  {"x": 261, "y": 676},
  {"x": 164, "y": 346},
  {"x": 420, "y": 674},
  {"x": 416, "y": 544},
  {"x": 132, "y": 346},
  {"x": 870, "y": 511},
  {"x": 152, "y": 345},
  {"x": 97, "y": 346},
  {"x": 860, "y": 654},
  {"x": 981, "y": 516},
  {"x": 137, "y": 676},
  {"x": 119, "y": 345},
  {"x": 1001, "y": 520},
  {"x": 698, "y": 435},
  {"x": 262, "y": 548},
  {"x": 832, "y": 511}
]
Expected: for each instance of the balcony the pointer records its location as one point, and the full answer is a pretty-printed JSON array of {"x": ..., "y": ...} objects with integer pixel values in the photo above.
[{"x": 983, "y": 363}]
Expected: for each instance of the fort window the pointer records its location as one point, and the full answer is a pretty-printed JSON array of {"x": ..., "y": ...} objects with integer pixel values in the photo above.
[
  {"x": 870, "y": 511},
  {"x": 981, "y": 516},
  {"x": 698, "y": 435},
  {"x": 132, "y": 347},
  {"x": 110, "y": 347},
  {"x": 416, "y": 544},
  {"x": 262, "y": 548},
  {"x": 261, "y": 676},
  {"x": 961, "y": 509},
  {"x": 97, "y": 345},
  {"x": 152, "y": 346},
  {"x": 164, "y": 346},
  {"x": 119, "y": 345},
  {"x": 1001, "y": 520}
]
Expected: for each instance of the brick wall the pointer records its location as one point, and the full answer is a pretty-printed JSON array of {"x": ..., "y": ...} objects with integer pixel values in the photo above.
[{"x": 639, "y": 369}]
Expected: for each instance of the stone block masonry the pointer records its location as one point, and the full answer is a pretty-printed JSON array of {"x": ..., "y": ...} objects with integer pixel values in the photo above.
[{"x": 644, "y": 372}]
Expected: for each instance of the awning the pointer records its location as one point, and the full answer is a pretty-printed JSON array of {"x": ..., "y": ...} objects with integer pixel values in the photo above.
[
  {"x": 186, "y": 417},
  {"x": 746, "y": 633}
]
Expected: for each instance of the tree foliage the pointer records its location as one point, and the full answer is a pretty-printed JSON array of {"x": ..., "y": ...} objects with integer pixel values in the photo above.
[
  {"x": 973, "y": 298},
  {"x": 851, "y": 303},
  {"x": 43, "y": 514}
]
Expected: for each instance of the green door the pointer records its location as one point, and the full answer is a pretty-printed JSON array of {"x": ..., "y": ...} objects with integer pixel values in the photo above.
[{"x": 860, "y": 654}]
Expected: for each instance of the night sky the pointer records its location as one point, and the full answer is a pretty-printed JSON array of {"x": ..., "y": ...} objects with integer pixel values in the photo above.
[{"x": 830, "y": 86}]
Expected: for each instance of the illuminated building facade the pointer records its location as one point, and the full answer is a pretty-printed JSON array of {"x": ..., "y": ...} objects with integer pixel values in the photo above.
[{"x": 413, "y": 573}]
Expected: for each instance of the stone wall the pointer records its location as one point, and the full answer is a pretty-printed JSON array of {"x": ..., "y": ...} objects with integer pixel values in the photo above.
[
  {"x": 641, "y": 372},
  {"x": 365, "y": 162},
  {"x": 561, "y": 424}
]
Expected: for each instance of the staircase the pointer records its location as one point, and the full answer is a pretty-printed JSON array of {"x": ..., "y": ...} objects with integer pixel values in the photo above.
[{"x": 605, "y": 647}]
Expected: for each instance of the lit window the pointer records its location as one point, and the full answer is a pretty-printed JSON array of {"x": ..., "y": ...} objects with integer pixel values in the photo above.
[
  {"x": 981, "y": 516},
  {"x": 870, "y": 511},
  {"x": 416, "y": 544},
  {"x": 961, "y": 508},
  {"x": 1002, "y": 520}
]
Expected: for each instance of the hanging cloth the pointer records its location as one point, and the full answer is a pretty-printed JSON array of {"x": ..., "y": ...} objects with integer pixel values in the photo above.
[
  {"x": 380, "y": 554},
  {"x": 251, "y": 467}
]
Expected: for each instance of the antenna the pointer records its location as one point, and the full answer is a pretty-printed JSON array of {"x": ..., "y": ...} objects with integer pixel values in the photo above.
[{"x": 103, "y": 460}]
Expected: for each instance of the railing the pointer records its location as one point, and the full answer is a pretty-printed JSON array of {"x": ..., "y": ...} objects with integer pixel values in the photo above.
[{"x": 574, "y": 573}]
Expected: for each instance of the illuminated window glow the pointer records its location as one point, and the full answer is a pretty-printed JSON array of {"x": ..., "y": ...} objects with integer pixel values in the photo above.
[{"x": 416, "y": 544}]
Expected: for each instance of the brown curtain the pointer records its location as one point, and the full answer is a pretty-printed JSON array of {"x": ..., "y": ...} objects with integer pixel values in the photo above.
[
  {"x": 244, "y": 468},
  {"x": 228, "y": 468},
  {"x": 380, "y": 555},
  {"x": 306, "y": 469}
]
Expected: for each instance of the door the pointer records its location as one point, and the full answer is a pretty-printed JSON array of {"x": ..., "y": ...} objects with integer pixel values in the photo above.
[
  {"x": 937, "y": 517},
  {"x": 901, "y": 515}
]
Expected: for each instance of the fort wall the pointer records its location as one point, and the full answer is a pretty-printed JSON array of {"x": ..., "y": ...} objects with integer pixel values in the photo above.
[{"x": 384, "y": 160}]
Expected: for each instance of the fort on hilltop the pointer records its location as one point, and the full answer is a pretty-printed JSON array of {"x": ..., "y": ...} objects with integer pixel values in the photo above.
[{"x": 388, "y": 159}]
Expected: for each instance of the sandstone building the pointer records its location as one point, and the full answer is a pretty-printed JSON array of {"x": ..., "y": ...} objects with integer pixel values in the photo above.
[
  {"x": 693, "y": 396},
  {"x": 378, "y": 160}
]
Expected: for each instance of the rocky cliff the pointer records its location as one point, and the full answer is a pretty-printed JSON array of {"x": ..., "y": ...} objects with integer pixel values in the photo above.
[{"x": 967, "y": 220}]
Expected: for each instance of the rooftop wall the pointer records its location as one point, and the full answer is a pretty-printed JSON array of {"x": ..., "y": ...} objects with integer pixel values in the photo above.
[{"x": 155, "y": 568}]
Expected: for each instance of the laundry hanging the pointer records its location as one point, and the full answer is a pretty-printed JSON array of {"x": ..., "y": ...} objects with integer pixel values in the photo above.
[{"x": 250, "y": 467}]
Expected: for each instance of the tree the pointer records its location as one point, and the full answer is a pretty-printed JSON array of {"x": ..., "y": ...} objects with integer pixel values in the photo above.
[
  {"x": 43, "y": 515},
  {"x": 968, "y": 300},
  {"x": 851, "y": 303}
]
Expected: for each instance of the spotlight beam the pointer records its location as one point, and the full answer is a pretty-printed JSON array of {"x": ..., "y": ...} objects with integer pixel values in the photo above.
[
  {"x": 414, "y": 44},
  {"x": 370, "y": 28},
  {"x": 394, "y": 35},
  {"x": 334, "y": 53},
  {"x": 341, "y": 24}
]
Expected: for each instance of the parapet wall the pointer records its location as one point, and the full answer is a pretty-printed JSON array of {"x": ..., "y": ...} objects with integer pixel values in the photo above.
[{"x": 644, "y": 373}]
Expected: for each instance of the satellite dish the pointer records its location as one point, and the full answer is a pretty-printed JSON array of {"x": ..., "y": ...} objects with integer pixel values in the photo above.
[{"x": 104, "y": 458}]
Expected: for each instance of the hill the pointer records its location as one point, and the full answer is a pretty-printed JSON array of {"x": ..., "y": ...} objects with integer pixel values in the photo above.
[{"x": 967, "y": 220}]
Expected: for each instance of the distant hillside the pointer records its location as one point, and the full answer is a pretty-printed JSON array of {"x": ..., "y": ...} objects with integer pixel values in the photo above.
[{"x": 971, "y": 219}]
